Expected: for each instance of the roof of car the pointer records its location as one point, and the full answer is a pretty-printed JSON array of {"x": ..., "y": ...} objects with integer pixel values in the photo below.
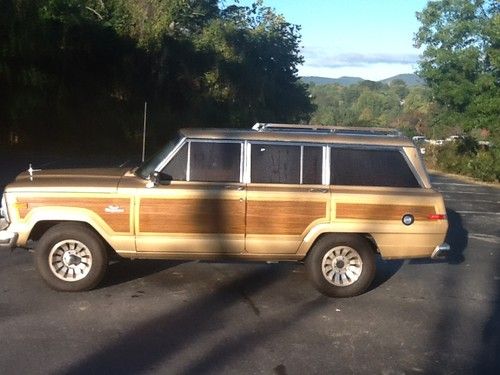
[{"x": 300, "y": 135}]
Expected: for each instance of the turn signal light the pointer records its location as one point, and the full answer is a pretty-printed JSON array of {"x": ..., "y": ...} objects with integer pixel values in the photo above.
[
  {"x": 437, "y": 217},
  {"x": 21, "y": 205}
]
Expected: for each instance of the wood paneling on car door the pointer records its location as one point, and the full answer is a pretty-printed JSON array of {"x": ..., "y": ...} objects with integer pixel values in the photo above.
[
  {"x": 282, "y": 217},
  {"x": 192, "y": 216}
]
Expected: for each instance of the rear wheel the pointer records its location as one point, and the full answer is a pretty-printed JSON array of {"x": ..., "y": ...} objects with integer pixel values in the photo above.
[
  {"x": 71, "y": 257},
  {"x": 341, "y": 265}
]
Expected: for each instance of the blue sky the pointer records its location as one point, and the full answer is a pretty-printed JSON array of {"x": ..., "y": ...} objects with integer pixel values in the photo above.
[{"x": 371, "y": 39}]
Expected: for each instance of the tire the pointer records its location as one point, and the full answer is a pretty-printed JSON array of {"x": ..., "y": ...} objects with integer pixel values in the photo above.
[
  {"x": 71, "y": 257},
  {"x": 341, "y": 265}
]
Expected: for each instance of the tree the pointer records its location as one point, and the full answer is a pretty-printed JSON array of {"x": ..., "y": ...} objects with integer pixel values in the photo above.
[
  {"x": 77, "y": 72},
  {"x": 460, "y": 62}
]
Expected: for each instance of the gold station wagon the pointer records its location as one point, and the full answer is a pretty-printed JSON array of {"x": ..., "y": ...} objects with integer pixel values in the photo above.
[{"x": 330, "y": 197}]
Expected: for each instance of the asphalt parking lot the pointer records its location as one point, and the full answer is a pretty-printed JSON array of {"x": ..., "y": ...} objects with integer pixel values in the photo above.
[{"x": 171, "y": 317}]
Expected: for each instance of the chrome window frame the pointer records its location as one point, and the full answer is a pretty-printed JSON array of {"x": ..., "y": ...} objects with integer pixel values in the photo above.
[
  {"x": 172, "y": 153},
  {"x": 326, "y": 165}
]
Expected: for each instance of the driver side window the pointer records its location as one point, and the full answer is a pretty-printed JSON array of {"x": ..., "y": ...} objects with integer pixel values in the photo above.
[{"x": 208, "y": 162}]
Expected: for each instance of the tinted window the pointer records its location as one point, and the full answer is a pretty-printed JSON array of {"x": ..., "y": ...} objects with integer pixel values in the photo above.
[
  {"x": 312, "y": 165},
  {"x": 275, "y": 164},
  {"x": 215, "y": 162},
  {"x": 176, "y": 168},
  {"x": 351, "y": 166}
]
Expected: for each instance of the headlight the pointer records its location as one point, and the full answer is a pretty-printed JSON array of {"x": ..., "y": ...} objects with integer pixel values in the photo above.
[{"x": 4, "y": 212}]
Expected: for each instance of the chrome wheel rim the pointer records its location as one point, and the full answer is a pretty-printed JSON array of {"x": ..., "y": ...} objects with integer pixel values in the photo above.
[
  {"x": 342, "y": 266},
  {"x": 70, "y": 260}
]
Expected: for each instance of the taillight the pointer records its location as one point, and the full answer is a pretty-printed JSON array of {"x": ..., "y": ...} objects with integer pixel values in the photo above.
[{"x": 437, "y": 217}]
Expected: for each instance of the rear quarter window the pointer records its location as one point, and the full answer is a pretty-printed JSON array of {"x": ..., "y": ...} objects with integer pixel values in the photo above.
[{"x": 370, "y": 167}]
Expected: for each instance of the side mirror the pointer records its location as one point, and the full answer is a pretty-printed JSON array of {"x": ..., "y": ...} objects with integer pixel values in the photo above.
[{"x": 153, "y": 179}]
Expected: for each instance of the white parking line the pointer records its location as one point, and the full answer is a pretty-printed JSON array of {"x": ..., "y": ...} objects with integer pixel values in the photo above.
[
  {"x": 451, "y": 183},
  {"x": 462, "y": 192},
  {"x": 472, "y": 200},
  {"x": 478, "y": 212},
  {"x": 484, "y": 237}
]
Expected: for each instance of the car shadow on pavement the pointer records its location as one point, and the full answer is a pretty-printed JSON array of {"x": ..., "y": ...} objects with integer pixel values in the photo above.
[
  {"x": 157, "y": 341},
  {"x": 125, "y": 270},
  {"x": 385, "y": 270},
  {"x": 456, "y": 237}
]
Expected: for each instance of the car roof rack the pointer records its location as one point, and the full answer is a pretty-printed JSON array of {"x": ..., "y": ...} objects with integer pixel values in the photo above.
[{"x": 326, "y": 129}]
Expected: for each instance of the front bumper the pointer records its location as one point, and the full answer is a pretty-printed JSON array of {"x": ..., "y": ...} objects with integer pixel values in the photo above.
[
  {"x": 8, "y": 240},
  {"x": 441, "y": 251}
]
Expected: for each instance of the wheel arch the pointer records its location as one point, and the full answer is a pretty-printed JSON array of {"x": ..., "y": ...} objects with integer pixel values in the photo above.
[
  {"x": 366, "y": 236},
  {"x": 42, "y": 226}
]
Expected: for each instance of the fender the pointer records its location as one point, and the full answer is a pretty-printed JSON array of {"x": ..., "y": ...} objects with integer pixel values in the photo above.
[
  {"x": 392, "y": 239},
  {"x": 124, "y": 241}
]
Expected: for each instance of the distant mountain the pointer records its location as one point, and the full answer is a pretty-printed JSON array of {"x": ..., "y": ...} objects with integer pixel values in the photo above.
[
  {"x": 409, "y": 79},
  {"x": 343, "y": 81}
]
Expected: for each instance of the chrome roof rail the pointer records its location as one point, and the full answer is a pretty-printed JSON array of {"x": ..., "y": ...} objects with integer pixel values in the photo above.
[{"x": 344, "y": 130}]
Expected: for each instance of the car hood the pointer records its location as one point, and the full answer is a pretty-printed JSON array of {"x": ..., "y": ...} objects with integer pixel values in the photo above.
[{"x": 63, "y": 180}]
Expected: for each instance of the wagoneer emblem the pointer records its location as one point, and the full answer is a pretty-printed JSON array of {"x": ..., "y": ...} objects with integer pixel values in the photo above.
[{"x": 113, "y": 209}]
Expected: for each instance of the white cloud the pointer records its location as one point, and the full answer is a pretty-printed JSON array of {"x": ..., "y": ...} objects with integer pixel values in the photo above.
[
  {"x": 319, "y": 58},
  {"x": 373, "y": 66}
]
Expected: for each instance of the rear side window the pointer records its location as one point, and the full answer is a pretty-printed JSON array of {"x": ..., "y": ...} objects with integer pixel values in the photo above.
[
  {"x": 365, "y": 167},
  {"x": 275, "y": 164},
  {"x": 312, "y": 165}
]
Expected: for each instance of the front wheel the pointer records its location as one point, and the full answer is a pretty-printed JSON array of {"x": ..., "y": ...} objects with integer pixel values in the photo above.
[
  {"x": 341, "y": 265},
  {"x": 71, "y": 257}
]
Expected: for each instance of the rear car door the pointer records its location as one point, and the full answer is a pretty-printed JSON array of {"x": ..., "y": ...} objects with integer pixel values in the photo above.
[{"x": 286, "y": 196}]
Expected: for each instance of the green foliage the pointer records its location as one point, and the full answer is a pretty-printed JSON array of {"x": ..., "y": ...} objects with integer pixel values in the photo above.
[
  {"x": 373, "y": 104},
  {"x": 466, "y": 157},
  {"x": 461, "y": 67},
  {"x": 77, "y": 72},
  {"x": 460, "y": 63}
]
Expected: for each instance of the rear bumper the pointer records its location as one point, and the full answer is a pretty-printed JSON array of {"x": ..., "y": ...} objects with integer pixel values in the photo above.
[
  {"x": 8, "y": 240},
  {"x": 441, "y": 251}
]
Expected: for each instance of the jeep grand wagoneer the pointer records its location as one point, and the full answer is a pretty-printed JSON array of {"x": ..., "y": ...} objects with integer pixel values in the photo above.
[{"x": 330, "y": 197}]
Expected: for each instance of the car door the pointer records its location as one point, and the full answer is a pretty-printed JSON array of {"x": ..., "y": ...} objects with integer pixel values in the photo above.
[
  {"x": 286, "y": 196},
  {"x": 199, "y": 205}
]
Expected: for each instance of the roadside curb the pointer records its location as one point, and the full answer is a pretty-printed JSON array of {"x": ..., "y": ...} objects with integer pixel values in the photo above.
[{"x": 465, "y": 178}]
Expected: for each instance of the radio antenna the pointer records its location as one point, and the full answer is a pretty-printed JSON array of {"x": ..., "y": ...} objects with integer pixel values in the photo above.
[{"x": 144, "y": 132}]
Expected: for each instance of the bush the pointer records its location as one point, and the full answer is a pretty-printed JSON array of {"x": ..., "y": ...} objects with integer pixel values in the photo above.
[{"x": 467, "y": 158}]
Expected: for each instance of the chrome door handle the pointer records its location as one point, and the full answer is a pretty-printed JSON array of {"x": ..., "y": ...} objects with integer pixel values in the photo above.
[{"x": 313, "y": 190}]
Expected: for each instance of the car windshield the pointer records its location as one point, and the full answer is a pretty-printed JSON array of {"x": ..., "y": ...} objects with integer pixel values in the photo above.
[{"x": 149, "y": 166}]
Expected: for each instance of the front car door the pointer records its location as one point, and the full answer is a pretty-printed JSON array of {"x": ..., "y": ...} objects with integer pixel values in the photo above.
[{"x": 199, "y": 205}]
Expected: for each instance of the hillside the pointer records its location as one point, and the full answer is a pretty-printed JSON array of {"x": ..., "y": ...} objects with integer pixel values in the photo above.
[
  {"x": 410, "y": 80},
  {"x": 343, "y": 81}
]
